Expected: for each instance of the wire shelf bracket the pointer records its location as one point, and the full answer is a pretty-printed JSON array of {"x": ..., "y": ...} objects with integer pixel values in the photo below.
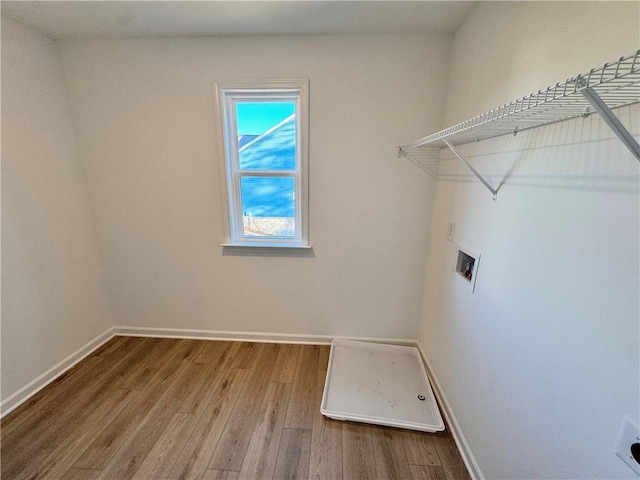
[
  {"x": 484, "y": 181},
  {"x": 603, "y": 89}
]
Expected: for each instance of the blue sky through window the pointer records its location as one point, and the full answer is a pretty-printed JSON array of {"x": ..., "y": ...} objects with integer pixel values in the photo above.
[{"x": 257, "y": 118}]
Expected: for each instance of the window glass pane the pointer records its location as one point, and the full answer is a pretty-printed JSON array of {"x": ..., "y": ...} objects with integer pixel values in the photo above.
[
  {"x": 266, "y": 135},
  {"x": 268, "y": 206}
]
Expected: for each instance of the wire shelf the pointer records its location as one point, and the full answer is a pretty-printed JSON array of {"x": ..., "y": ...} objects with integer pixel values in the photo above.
[{"x": 617, "y": 84}]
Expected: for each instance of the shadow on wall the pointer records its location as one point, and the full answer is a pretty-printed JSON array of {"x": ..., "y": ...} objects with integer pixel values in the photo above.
[{"x": 286, "y": 252}]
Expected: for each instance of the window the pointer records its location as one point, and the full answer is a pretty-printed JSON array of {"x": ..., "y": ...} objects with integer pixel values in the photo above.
[{"x": 262, "y": 129}]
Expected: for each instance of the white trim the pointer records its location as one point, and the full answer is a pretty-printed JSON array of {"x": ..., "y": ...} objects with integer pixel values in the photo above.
[
  {"x": 286, "y": 246},
  {"x": 260, "y": 337},
  {"x": 226, "y": 93},
  {"x": 18, "y": 398},
  {"x": 461, "y": 442},
  {"x": 221, "y": 134}
]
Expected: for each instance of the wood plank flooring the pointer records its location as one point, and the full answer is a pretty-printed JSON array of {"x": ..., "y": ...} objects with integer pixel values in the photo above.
[{"x": 149, "y": 408}]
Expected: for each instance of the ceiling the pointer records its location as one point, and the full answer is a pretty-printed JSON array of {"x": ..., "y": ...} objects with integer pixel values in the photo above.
[{"x": 85, "y": 19}]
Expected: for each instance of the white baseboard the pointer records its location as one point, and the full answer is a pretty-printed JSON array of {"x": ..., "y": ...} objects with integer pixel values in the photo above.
[
  {"x": 15, "y": 400},
  {"x": 262, "y": 337},
  {"x": 456, "y": 432}
]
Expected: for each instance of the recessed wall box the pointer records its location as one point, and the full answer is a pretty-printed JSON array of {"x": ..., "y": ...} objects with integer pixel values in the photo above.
[
  {"x": 628, "y": 447},
  {"x": 467, "y": 263}
]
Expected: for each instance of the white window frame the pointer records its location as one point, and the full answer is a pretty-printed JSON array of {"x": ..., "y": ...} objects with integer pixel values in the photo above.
[{"x": 227, "y": 94}]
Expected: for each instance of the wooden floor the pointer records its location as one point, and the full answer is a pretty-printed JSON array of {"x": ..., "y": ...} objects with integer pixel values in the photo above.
[{"x": 174, "y": 409}]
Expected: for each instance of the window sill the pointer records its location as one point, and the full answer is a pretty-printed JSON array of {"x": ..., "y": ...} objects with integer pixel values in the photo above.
[{"x": 266, "y": 245}]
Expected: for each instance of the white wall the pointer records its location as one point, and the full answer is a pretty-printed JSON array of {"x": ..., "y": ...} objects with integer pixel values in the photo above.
[
  {"x": 540, "y": 365},
  {"x": 53, "y": 293},
  {"x": 143, "y": 110}
]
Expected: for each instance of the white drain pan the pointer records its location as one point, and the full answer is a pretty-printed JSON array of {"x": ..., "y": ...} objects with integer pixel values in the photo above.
[{"x": 379, "y": 384}]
